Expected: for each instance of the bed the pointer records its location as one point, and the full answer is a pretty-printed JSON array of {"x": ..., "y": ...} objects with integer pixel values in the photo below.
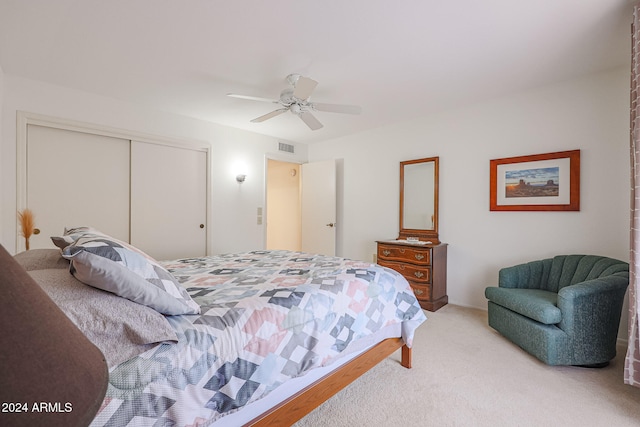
[{"x": 235, "y": 339}]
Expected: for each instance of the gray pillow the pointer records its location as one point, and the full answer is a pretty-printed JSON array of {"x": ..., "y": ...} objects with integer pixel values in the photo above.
[
  {"x": 115, "y": 266},
  {"x": 41, "y": 259},
  {"x": 121, "y": 329}
]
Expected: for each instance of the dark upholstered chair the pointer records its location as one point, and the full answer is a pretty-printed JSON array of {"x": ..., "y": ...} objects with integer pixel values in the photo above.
[
  {"x": 563, "y": 310},
  {"x": 44, "y": 358}
]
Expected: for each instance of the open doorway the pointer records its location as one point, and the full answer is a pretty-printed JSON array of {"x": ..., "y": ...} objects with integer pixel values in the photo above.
[{"x": 283, "y": 214}]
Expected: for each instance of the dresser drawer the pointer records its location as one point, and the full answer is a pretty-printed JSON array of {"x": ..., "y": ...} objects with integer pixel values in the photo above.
[
  {"x": 413, "y": 273},
  {"x": 420, "y": 256},
  {"x": 422, "y": 292}
]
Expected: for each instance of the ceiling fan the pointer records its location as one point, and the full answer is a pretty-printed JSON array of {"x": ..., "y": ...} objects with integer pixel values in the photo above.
[{"x": 296, "y": 100}]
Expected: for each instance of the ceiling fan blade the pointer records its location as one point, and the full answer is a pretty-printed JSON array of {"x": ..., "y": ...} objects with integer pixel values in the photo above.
[
  {"x": 310, "y": 120},
  {"x": 337, "y": 108},
  {"x": 304, "y": 87},
  {"x": 252, "y": 98},
  {"x": 269, "y": 115}
]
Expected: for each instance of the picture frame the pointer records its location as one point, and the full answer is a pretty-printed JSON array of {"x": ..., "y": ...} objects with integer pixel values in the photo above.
[{"x": 539, "y": 182}]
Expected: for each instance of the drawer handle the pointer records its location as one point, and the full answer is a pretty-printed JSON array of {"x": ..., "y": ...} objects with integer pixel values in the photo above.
[
  {"x": 419, "y": 274},
  {"x": 418, "y": 291},
  {"x": 386, "y": 252},
  {"x": 419, "y": 257}
]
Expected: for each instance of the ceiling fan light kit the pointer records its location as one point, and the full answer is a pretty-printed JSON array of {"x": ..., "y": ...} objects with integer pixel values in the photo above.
[{"x": 296, "y": 100}]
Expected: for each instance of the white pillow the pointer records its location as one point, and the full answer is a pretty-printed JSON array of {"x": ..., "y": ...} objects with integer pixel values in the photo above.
[{"x": 115, "y": 266}]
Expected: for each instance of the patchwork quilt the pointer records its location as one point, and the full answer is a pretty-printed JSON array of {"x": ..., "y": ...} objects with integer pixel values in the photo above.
[{"x": 266, "y": 317}]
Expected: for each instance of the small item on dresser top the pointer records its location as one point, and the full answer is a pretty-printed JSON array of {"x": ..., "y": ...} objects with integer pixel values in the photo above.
[{"x": 414, "y": 241}]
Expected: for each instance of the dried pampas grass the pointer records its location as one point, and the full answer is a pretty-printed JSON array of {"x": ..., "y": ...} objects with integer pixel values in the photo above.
[{"x": 27, "y": 225}]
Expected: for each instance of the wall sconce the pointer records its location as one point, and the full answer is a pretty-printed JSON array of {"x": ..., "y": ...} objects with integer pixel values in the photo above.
[{"x": 239, "y": 169}]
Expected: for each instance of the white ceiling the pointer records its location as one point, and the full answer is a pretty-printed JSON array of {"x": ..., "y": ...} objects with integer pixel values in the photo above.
[{"x": 398, "y": 59}]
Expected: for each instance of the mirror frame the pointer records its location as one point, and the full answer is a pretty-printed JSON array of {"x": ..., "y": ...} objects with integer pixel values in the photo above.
[{"x": 423, "y": 235}]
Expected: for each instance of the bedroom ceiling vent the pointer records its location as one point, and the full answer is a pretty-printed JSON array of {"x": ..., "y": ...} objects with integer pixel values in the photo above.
[{"x": 288, "y": 148}]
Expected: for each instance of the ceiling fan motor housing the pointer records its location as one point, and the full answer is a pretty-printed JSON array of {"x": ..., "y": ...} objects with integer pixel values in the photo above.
[
  {"x": 295, "y": 105},
  {"x": 296, "y": 99}
]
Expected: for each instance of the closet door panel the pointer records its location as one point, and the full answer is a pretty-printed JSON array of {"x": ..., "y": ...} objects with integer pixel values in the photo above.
[
  {"x": 168, "y": 200},
  {"x": 76, "y": 179}
]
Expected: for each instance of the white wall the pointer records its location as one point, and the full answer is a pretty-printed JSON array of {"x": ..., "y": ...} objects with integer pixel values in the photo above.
[
  {"x": 590, "y": 114},
  {"x": 233, "y": 217}
]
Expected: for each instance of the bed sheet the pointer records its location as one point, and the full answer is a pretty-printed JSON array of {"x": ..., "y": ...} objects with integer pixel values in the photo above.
[{"x": 267, "y": 317}]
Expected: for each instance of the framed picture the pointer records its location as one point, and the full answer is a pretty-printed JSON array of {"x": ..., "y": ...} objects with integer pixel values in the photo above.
[{"x": 540, "y": 182}]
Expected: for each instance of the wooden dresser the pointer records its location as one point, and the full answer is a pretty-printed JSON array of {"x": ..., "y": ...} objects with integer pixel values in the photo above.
[{"x": 424, "y": 267}]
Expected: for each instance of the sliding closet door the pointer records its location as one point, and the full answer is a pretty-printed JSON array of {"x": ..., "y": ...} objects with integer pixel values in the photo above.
[
  {"x": 76, "y": 179},
  {"x": 168, "y": 200}
]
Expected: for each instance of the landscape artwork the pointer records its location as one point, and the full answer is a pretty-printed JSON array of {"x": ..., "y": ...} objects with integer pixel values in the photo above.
[{"x": 539, "y": 182}]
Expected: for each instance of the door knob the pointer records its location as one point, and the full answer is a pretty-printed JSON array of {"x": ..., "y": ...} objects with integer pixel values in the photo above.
[{"x": 331, "y": 224}]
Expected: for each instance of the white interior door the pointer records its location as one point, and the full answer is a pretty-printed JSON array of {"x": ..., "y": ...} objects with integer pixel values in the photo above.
[
  {"x": 76, "y": 179},
  {"x": 318, "y": 198},
  {"x": 168, "y": 200}
]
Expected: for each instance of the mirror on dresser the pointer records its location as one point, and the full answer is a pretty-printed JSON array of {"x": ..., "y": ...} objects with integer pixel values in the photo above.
[
  {"x": 419, "y": 199},
  {"x": 417, "y": 253}
]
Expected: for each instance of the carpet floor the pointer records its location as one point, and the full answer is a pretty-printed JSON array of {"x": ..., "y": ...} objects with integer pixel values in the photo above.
[{"x": 466, "y": 374}]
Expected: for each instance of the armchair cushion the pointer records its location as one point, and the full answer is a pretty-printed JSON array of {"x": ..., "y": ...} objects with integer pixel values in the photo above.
[{"x": 535, "y": 304}]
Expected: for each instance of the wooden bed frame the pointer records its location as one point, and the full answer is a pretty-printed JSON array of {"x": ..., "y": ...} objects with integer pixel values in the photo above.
[{"x": 306, "y": 400}]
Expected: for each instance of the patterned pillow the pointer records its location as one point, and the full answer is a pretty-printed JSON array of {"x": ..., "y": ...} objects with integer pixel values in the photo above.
[
  {"x": 114, "y": 266},
  {"x": 70, "y": 235}
]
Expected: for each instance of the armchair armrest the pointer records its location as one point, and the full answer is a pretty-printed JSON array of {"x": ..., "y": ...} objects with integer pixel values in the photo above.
[
  {"x": 595, "y": 287},
  {"x": 591, "y": 312}
]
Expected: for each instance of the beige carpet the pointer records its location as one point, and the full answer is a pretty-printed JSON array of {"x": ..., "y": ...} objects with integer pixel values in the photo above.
[{"x": 466, "y": 374}]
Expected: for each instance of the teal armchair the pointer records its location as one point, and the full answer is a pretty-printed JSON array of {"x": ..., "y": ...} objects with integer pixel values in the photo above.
[{"x": 563, "y": 310}]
